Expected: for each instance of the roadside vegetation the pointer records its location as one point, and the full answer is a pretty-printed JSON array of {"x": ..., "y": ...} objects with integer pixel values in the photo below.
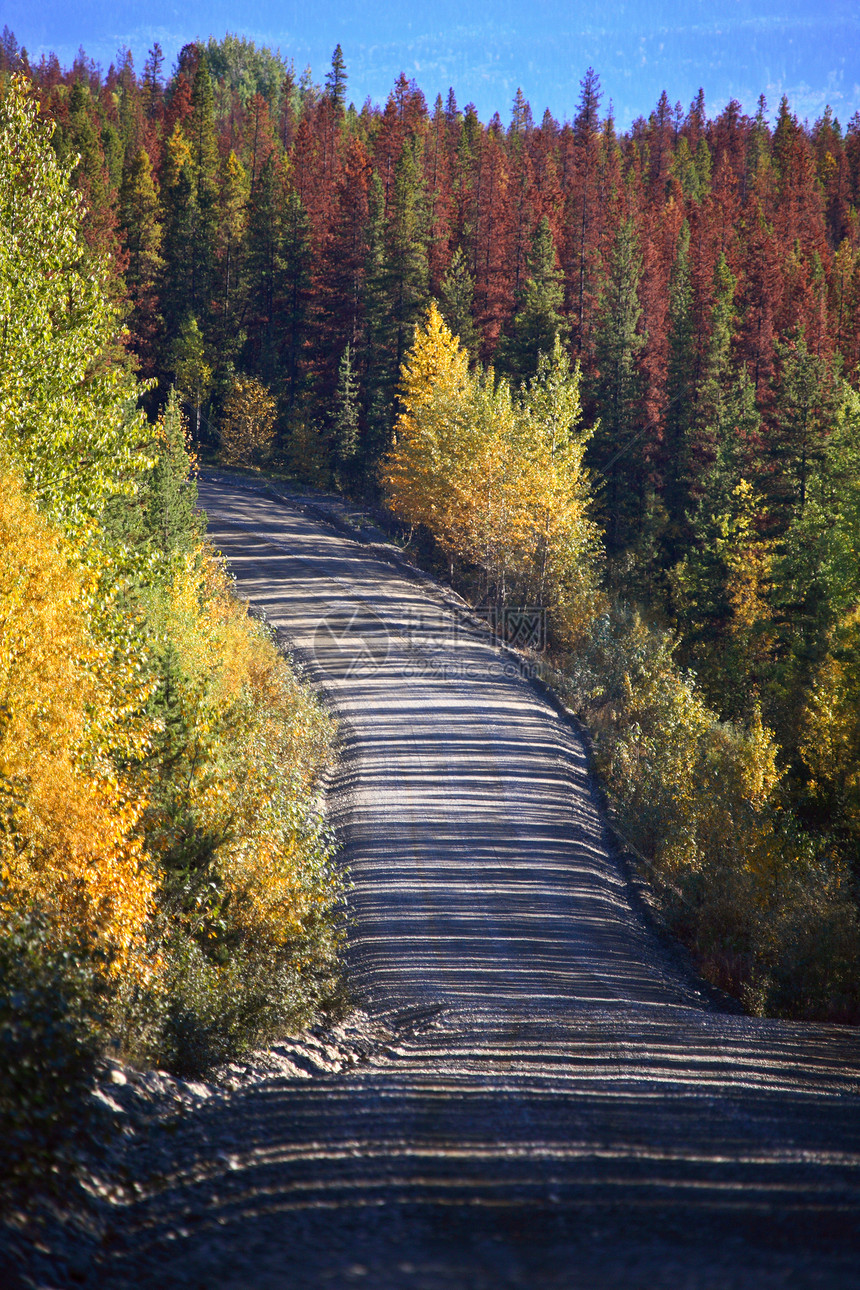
[
  {"x": 497, "y": 477},
  {"x": 167, "y": 885}
]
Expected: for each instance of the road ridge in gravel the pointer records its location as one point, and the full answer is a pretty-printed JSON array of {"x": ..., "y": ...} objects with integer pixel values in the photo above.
[{"x": 550, "y": 1099}]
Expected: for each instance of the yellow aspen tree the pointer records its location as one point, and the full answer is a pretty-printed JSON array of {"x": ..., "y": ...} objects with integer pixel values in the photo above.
[
  {"x": 830, "y": 729},
  {"x": 248, "y": 426},
  {"x": 68, "y": 823},
  {"x": 749, "y": 560},
  {"x": 498, "y": 480},
  {"x": 421, "y": 472},
  {"x": 561, "y": 543},
  {"x": 454, "y": 465},
  {"x": 488, "y": 484}
]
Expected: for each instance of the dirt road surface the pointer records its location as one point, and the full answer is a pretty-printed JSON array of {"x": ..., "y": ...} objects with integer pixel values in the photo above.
[{"x": 551, "y": 1100}]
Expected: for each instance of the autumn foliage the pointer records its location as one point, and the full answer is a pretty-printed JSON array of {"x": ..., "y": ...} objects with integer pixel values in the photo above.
[
  {"x": 499, "y": 481},
  {"x": 497, "y": 478},
  {"x": 248, "y": 423},
  {"x": 68, "y": 838},
  {"x": 166, "y": 885}
]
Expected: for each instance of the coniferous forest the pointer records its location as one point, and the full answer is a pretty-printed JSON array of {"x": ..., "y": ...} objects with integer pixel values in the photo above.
[{"x": 647, "y": 342}]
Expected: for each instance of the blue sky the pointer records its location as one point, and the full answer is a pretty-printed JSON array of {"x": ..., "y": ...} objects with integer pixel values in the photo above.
[{"x": 732, "y": 48}]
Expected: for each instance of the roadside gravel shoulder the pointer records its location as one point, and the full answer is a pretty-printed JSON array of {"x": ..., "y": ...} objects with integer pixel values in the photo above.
[{"x": 140, "y": 1118}]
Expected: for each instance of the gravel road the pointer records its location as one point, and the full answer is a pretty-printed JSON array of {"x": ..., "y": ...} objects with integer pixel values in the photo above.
[{"x": 544, "y": 1097}]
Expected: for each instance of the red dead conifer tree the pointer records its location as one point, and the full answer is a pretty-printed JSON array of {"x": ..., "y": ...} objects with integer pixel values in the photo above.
[
  {"x": 339, "y": 285},
  {"x": 493, "y": 233}
]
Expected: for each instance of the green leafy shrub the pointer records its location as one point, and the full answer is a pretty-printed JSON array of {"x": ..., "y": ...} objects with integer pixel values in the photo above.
[
  {"x": 68, "y": 414},
  {"x": 766, "y": 908},
  {"x": 52, "y": 1010},
  {"x": 215, "y": 1011}
]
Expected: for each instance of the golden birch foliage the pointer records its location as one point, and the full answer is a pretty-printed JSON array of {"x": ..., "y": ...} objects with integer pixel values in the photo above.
[
  {"x": 759, "y": 774},
  {"x": 423, "y": 473},
  {"x": 67, "y": 822},
  {"x": 481, "y": 470},
  {"x": 561, "y": 542},
  {"x": 498, "y": 480},
  {"x": 435, "y": 361},
  {"x": 257, "y": 743},
  {"x": 749, "y": 561},
  {"x": 177, "y": 155},
  {"x": 830, "y": 733},
  {"x": 248, "y": 425},
  {"x": 450, "y": 468}
]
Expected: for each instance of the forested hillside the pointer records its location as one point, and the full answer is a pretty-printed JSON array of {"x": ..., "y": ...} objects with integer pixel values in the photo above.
[
  {"x": 694, "y": 288},
  {"x": 263, "y": 226}
]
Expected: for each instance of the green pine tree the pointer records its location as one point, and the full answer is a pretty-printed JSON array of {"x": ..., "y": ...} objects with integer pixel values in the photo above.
[
  {"x": 171, "y": 519},
  {"x": 232, "y": 226},
  {"x": 726, "y": 539},
  {"x": 806, "y": 395},
  {"x": 538, "y": 318},
  {"x": 617, "y": 389},
  {"x": 265, "y": 269},
  {"x": 293, "y": 318},
  {"x": 458, "y": 293},
  {"x": 138, "y": 217},
  {"x": 379, "y": 378},
  {"x": 345, "y": 420},
  {"x": 336, "y": 79},
  {"x": 180, "y": 222},
  {"x": 680, "y": 398},
  {"x": 717, "y": 377},
  {"x": 81, "y": 138},
  {"x": 396, "y": 293},
  {"x": 152, "y": 87},
  {"x": 139, "y": 212},
  {"x": 204, "y": 159},
  {"x": 407, "y": 268}
]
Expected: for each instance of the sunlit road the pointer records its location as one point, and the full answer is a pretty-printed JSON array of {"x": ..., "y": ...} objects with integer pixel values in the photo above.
[{"x": 559, "y": 1104}]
